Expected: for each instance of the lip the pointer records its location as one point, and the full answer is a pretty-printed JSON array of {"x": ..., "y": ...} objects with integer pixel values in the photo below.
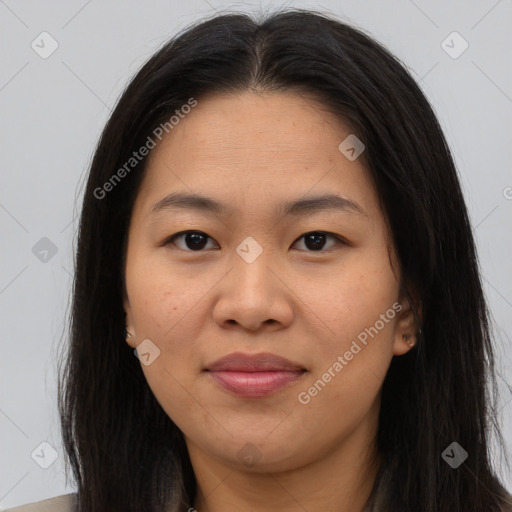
[{"x": 254, "y": 375}]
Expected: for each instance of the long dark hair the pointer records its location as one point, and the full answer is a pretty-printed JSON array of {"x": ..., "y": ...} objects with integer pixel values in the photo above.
[{"x": 126, "y": 454}]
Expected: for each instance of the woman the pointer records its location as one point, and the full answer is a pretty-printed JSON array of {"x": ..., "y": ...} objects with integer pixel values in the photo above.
[{"x": 277, "y": 303}]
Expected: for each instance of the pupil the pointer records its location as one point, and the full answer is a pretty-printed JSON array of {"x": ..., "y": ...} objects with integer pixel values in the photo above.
[
  {"x": 196, "y": 240},
  {"x": 318, "y": 240}
]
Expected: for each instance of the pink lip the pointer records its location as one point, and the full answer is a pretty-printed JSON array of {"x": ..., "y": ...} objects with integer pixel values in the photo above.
[{"x": 254, "y": 375}]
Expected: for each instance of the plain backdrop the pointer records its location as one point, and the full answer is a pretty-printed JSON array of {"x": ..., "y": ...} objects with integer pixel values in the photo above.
[{"x": 52, "y": 111}]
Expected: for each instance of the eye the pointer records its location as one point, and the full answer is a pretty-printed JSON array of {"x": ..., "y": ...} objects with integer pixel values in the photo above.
[
  {"x": 315, "y": 240},
  {"x": 193, "y": 240}
]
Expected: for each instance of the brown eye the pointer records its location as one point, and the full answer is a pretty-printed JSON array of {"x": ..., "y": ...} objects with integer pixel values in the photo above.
[
  {"x": 193, "y": 240},
  {"x": 315, "y": 241}
]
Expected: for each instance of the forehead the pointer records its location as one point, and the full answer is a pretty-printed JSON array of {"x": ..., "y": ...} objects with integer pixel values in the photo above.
[
  {"x": 283, "y": 123},
  {"x": 253, "y": 148}
]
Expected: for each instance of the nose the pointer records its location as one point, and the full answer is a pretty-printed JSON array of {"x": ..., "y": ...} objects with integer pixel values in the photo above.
[{"x": 254, "y": 296}]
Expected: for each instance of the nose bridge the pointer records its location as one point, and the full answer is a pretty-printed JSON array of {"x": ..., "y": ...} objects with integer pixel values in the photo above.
[
  {"x": 251, "y": 262},
  {"x": 253, "y": 296}
]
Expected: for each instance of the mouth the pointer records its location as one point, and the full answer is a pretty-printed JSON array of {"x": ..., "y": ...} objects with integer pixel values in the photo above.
[{"x": 254, "y": 376}]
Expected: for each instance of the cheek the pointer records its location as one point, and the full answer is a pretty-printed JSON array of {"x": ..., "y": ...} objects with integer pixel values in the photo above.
[
  {"x": 356, "y": 304},
  {"x": 170, "y": 387},
  {"x": 355, "y": 353},
  {"x": 347, "y": 378},
  {"x": 161, "y": 297},
  {"x": 163, "y": 313}
]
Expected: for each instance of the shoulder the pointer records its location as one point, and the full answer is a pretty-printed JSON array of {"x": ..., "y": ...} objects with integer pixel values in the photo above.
[{"x": 63, "y": 503}]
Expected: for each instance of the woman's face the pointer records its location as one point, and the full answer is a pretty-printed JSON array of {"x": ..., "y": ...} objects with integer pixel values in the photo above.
[{"x": 310, "y": 283}]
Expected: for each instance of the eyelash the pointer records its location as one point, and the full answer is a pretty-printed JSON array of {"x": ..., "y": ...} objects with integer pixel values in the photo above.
[{"x": 170, "y": 240}]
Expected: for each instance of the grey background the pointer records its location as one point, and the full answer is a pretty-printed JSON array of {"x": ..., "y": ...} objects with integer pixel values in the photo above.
[{"x": 51, "y": 114}]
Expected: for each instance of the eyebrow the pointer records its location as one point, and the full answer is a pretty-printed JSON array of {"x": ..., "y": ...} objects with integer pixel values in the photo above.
[{"x": 299, "y": 208}]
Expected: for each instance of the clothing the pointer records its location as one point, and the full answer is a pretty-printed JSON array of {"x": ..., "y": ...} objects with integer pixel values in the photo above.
[
  {"x": 63, "y": 503},
  {"x": 68, "y": 503}
]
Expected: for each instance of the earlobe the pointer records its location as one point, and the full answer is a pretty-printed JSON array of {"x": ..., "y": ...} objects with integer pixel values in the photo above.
[
  {"x": 129, "y": 336},
  {"x": 404, "y": 344},
  {"x": 409, "y": 340},
  {"x": 408, "y": 328},
  {"x": 129, "y": 333}
]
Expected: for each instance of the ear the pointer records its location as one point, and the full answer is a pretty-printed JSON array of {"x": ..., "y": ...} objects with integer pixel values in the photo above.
[
  {"x": 129, "y": 323},
  {"x": 407, "y": 328}
]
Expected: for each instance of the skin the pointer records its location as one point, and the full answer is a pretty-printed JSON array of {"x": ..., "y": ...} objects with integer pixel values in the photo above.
[{"x": 253, "y": 151}]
